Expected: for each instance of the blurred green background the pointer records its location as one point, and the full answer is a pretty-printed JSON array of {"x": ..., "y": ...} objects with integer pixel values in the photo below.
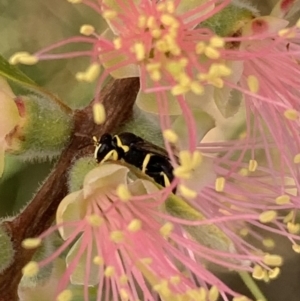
[{"x": 30, "y": 26}]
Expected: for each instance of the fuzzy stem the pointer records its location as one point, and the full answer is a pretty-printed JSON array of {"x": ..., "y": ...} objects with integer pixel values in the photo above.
[{"x": 252, "y": 286}]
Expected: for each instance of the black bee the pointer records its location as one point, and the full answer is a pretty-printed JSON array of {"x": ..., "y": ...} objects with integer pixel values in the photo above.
[{"x": 149, "y": 158}]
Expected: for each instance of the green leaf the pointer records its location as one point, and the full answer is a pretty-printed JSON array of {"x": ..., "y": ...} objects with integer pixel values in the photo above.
[
  {"x": 13, "y": 73},
  {"x": 203, "y": 123}
]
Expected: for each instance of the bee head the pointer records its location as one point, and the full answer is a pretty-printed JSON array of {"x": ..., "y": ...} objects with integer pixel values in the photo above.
[{"x": 105, "y": 148}]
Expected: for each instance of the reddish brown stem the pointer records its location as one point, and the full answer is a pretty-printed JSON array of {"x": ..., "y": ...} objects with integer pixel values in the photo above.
[{"x": 118, "y": 98}]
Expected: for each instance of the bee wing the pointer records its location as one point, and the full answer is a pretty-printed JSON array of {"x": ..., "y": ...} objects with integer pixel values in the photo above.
[{"x": 151, "y": 148}]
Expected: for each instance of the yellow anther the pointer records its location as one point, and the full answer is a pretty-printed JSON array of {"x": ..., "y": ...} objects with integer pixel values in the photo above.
[
  {"x": 99, "y": 113},
  {"x": 139, "y": 50},
  {"x": 161, "y": 45},
  {"x": 193, "y": 294},
  {"x": 258, "y": 272},
  {"x": 174, "y": 49},
  {"x": 274, "y": 273},
  {"x": 166, "y": 229},
  {"x": 296, "y": 248},
  {"x": 123, "y": 193},
  {"x": 244, "y": 232},
  {"x": 175, "y": 69},
  {"x": 187, "y": 192},
  {"x": 289, "y": 217},
  {"x": 293, "y": 228},
  {"x": 161, "y": 6},
  {"x": 218, "y": 70},
  {"x": 196, "y": 159},
  {"x": 146, "y": 260},
  {"x": 268, "y": 216},
  {"x": 175, "y": 280},
  {"x": 153, "y": 66},
  {"x": 123, "y": 294},
  {"x": 184, "y": 80},
  {"x": 179, "y": 90},
  {"x": 117, "y": 236},
  {"x": 291, "y": 114},
  {"x": 91, "y": 73},
  {"x": 109, "y": 271},
  {"x": 170, "y": 7},
  {"x": 142, "y": 21},
  {"x": 74, "y": 1},
  {"x": 98, "y": 260},
  {"x": 196, "y": 88},
  {"x": 298, "y": 23},
  {"x": 135, "y": 225},
  {"x": 31, "y": 243},
  {"x": 185, "y": 158},
  {"x": 252, "y": 165},
  {"x": 30, "y": 269},
  {"x": 123, "y": 279},
  {"x": 87, "y": 29},
  {"x": 253, "y": 83},
  {"x": 297, "y": 159},
  {"x": 216, "y": 42},
  {"x": 94, "y": 220},
  {"x": 109, "y": 14},
  {"x": 155, "y": 75},
  {"x": 220, "y": 184},
  {"x": 162, "y": 288},
  {"x": 65, "y": 295},
  {"x": 200, "y": 47},
  {"x": 241, "y": 298},
  {"x": 117, "y": 43},
  {"x": 213, "y": 293},
  {"x": 283, "y": 199},
  {"x": 24, "y": 58},
  {"x": 211, "y": 52},
  {"x": 202, "y": 294},
  {"x": 182, "y": 172},
  {"x": 244, "y": 172},
  {"x": 156, "y": 33},
  {"x": 288, "y": 33},
  {"x": 217, "y": 82},
  {"x": 170, "y": 136},
  {"x": 268, "y": 243},
  {"x": 169, "y": 20},
  {"x": 272, "y": 260},
  {"x": 151, "y": 22}
]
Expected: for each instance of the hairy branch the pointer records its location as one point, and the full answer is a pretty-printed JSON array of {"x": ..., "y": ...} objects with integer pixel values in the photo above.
[{"x": 118, "y": 98}]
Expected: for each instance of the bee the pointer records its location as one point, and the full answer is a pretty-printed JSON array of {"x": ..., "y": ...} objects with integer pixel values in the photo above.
[{"x": 149, "y": 158}]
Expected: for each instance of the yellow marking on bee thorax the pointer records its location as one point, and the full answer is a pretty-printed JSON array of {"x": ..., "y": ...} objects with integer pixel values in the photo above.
[
  {"x": 111, "y": 155},
  {"x": 96, "y": 150},
  {"x": 124, "y": 147},
  {"x": 166, "y": 179},
  {"x": 146, "y": 162}
]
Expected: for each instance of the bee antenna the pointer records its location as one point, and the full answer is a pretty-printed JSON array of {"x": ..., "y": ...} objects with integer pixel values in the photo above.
[{"x": 96, "y": 142}]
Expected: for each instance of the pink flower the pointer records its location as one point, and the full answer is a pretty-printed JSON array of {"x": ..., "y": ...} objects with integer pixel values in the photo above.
[{"x": 123, "y": 244}]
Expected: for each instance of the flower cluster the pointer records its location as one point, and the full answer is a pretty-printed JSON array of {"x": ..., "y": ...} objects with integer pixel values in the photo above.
[
  {"x": 118, "y": 235},
  {"x": 225, "y": 84}
]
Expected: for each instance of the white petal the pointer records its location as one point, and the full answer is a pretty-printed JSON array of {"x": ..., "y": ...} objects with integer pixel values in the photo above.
[
  {"x": 70, "y": 209},
  {"x": 105, "y": 175}
]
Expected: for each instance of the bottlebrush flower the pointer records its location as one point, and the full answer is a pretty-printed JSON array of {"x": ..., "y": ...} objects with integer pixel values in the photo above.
[
  {"x": 10, "y": 118},
  {"x": 123, "y": 243}
]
